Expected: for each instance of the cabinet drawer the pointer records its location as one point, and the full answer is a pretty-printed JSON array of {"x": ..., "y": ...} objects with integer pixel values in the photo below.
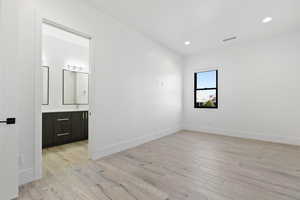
[{"x": 63, "y": 128}]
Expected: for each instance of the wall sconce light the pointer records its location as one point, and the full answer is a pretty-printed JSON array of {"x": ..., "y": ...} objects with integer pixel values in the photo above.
[{"x": 73, "y": 68}]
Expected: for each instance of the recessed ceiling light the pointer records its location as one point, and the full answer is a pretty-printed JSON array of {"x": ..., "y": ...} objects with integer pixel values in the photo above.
[
  {"x": 267, "y": 20},
  {"x": 187, "y": 42}
]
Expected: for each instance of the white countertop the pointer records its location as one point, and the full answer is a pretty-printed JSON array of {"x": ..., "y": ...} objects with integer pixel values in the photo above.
[{"x": 66, "y": 110}]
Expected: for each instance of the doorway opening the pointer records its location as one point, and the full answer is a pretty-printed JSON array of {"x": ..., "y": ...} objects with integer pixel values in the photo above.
[{"x": 64, "y": 73}]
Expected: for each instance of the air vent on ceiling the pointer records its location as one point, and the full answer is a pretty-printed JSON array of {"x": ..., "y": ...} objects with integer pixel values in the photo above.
[{"x": 229, "y": 39}]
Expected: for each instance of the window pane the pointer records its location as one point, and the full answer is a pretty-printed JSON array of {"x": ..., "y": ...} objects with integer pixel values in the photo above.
[
  {"x": 206, "y": 79},
  {"x": 206, "y": 98}
]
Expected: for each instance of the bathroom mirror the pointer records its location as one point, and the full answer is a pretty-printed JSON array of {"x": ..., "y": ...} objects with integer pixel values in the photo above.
[
  {"x": 75, "y": 88},
  {"x": 45, "y": 84}
]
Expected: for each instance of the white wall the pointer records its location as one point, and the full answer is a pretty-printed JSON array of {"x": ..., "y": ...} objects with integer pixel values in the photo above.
[
  {"x": 82, "y": 84},
  {"x": 57, "y": 54},
  {"x": 137, "y": 92},
  {"x": 258, "y": 90}
]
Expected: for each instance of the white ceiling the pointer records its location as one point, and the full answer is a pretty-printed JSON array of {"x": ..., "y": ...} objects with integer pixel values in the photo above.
[{"x": 204, "y": 22}]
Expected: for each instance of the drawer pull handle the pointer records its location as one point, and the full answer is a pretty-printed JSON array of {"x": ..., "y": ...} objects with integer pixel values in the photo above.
[
  {"x": 62, "y": 134},
  {"x": 64, "y": 119}
]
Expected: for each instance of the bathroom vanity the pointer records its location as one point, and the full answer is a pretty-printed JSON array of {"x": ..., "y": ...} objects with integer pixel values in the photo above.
[{"x": 64, "y": 127}]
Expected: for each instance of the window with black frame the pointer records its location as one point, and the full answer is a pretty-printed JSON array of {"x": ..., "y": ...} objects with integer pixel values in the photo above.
[{"x": 206, "y": 89}]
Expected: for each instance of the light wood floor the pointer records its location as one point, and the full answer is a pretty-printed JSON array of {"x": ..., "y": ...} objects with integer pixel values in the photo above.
[{"x": 183, "y": 166}]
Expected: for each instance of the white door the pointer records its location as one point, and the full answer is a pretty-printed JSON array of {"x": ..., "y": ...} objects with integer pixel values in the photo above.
[{"x": 8, "y": 99}]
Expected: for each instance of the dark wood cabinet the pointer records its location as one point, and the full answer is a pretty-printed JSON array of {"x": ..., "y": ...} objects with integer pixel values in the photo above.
[
  {"x": 48, "y": 130},
  {"x": 64, "y": 127},
  {"x": 79, "y": 119},
  {"x": 86, "y": 125}
]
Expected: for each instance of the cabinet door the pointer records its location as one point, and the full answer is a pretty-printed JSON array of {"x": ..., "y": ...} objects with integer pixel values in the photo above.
[
  {"x": 63, "y": 128},
  {"x": 86, "y": 125},
  {"x": 78, "y": 126},
  {"x": 48, "y": 130}
]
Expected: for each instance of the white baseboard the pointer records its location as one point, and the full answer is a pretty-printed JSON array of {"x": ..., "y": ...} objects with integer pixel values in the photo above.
[
  {"x": 124, "y": 145},
  {"x": 246, "y": 134},
  {"x": 26, "y": 176}
]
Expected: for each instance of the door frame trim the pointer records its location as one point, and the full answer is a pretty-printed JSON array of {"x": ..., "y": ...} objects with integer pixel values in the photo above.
[
  {"x": 10, "y": 59},
  {"x": 39, "y": 20}
]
